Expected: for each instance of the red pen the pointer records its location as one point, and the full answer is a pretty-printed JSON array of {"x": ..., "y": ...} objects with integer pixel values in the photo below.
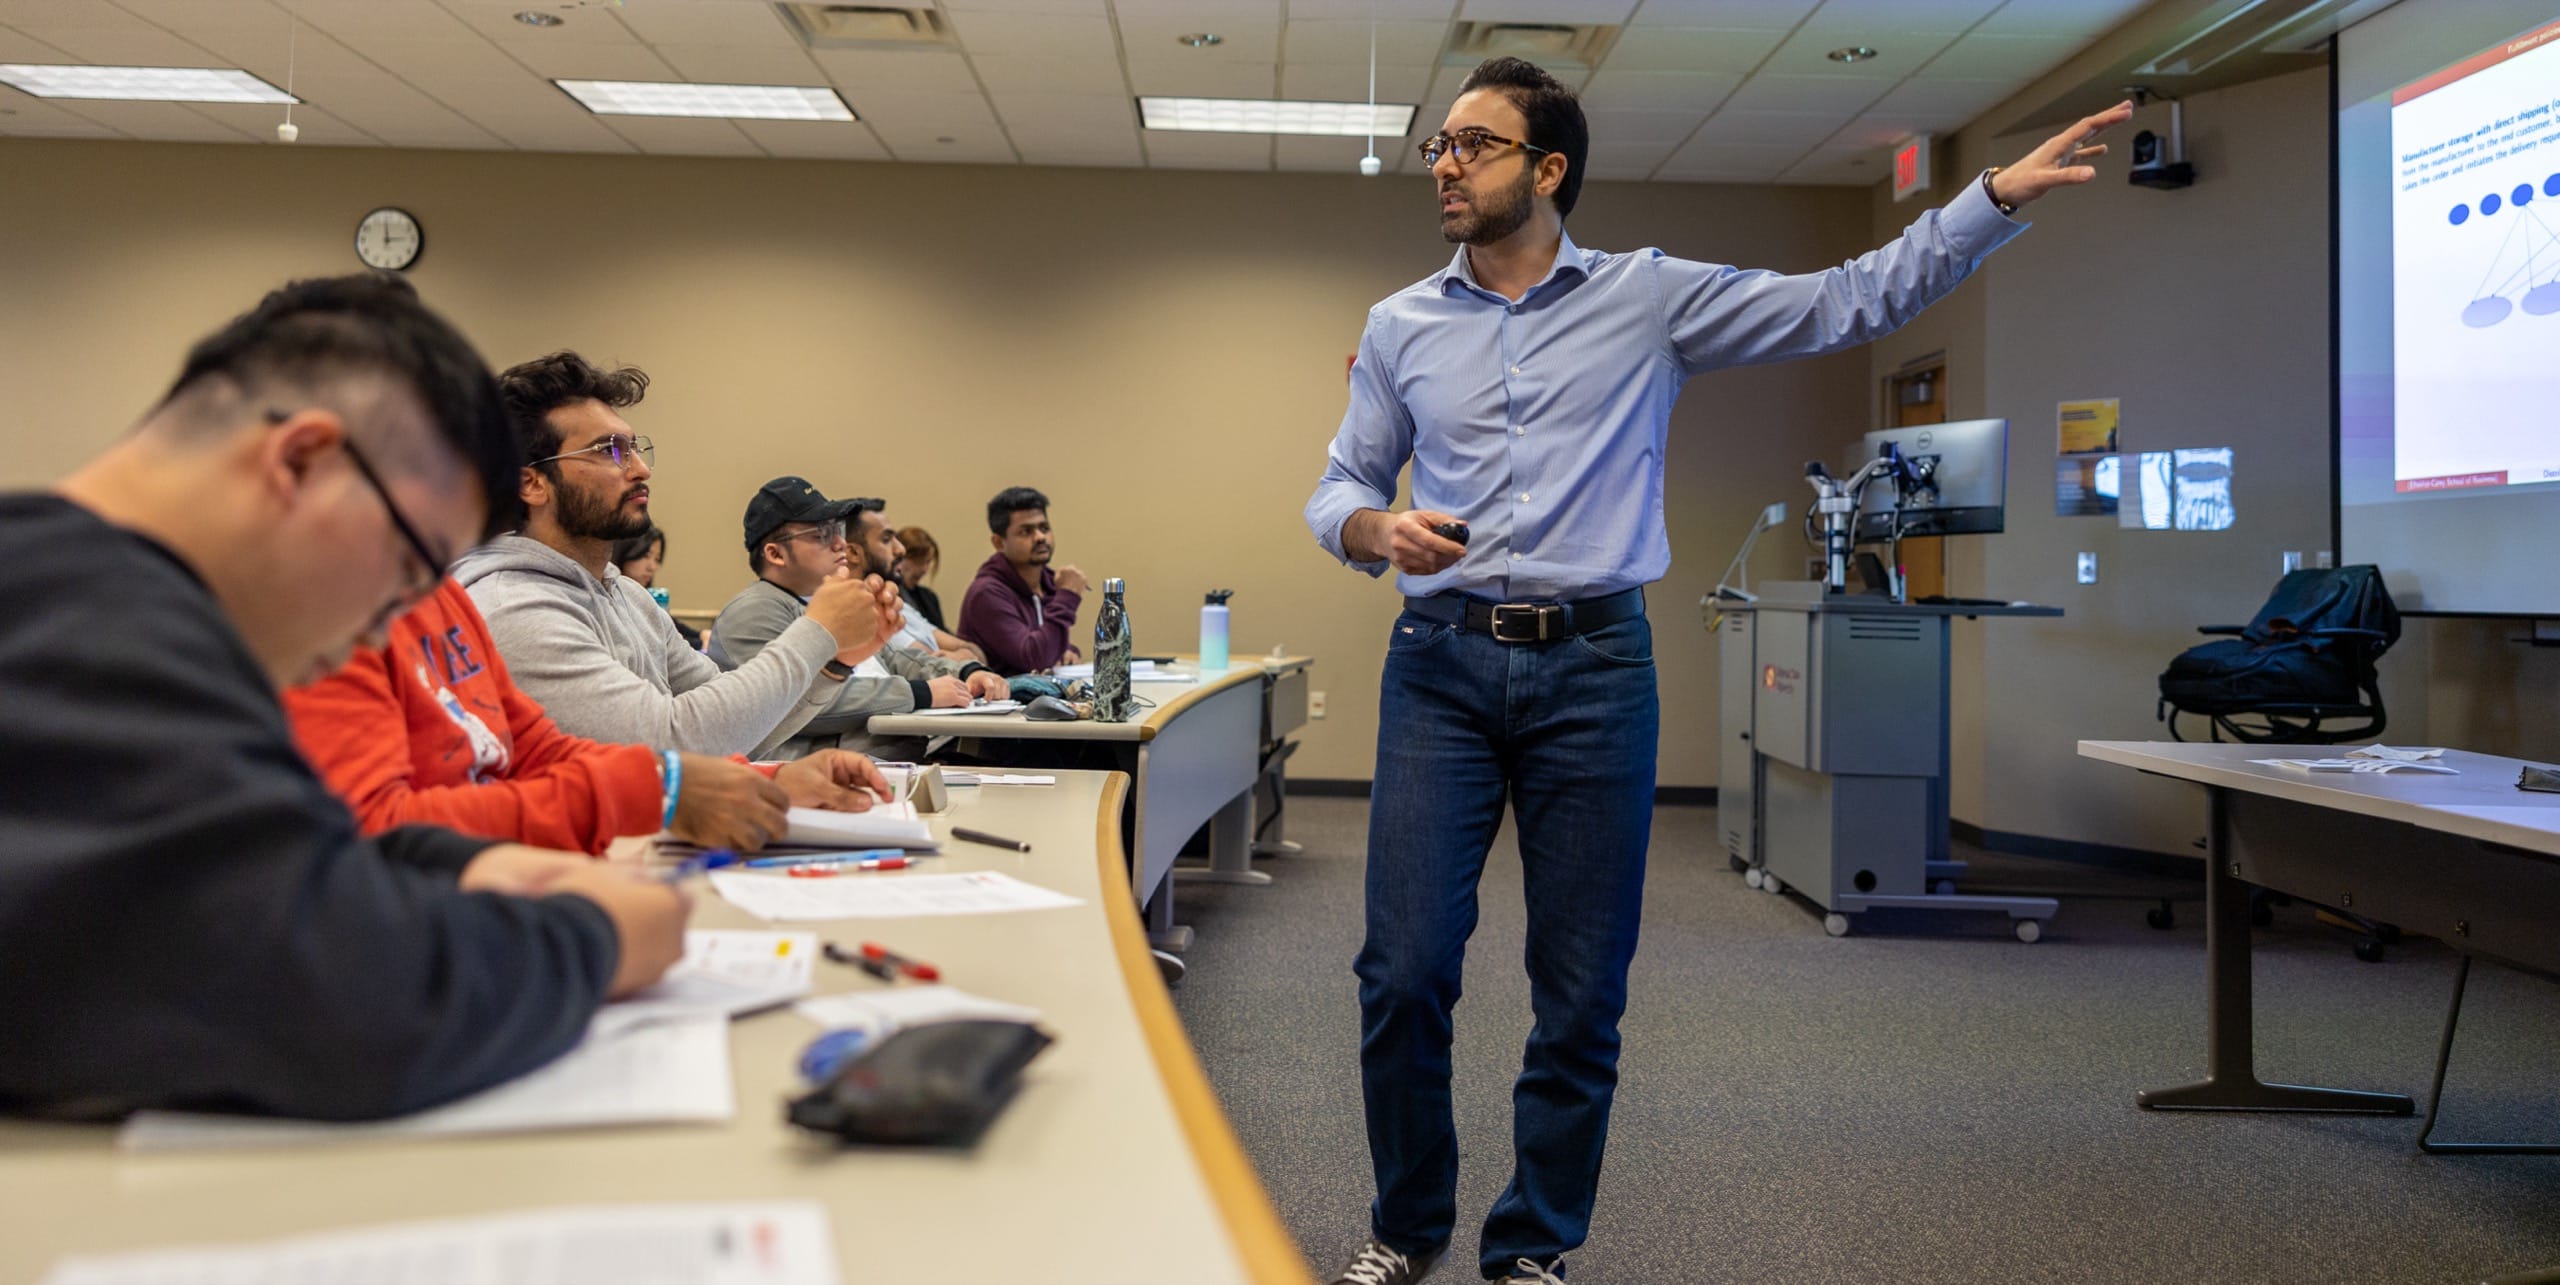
[
  {"x": 915, "y": 968},
  {"x": 829, "y": 871}
]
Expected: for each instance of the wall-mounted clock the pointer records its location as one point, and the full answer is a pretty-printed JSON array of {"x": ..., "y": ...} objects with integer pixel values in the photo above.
[{"x": 390, "y": 238}]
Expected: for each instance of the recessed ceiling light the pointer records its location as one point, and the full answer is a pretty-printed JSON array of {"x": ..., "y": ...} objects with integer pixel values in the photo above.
[
  {"x": 1200, "y": 39},
  {"x": 1851, "y": 53},
  {"x": 728, "y": 102},
  {"x": 1276, "y": 116},
  {"x": 142, "y": 84},
  {"x": 536, "y": 18}
]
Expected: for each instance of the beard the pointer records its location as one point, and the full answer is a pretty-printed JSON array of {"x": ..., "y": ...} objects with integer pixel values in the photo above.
[
  {"x": 1489, "y": 217},
  {"x": 583, "y": 516}
]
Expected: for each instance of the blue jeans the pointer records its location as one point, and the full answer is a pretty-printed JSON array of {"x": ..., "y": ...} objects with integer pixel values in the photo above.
[{"x": 1565, "y": 732}]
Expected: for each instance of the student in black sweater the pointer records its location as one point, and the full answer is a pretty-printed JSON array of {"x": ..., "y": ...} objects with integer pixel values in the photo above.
[{"x": 190, "y": 919}]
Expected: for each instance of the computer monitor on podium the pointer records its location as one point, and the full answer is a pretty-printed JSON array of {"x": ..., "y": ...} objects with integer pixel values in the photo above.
[{"x": 1962, "y": 480}]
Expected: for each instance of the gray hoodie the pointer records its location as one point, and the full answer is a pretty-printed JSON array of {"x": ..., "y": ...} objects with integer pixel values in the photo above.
[
  {"x": 607, "y": 663},
  {"x": 764, "y": 611}
]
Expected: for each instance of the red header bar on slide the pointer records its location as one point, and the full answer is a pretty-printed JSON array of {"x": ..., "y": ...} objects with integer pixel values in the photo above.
[
  {"x": 2478, "y": 62},
  {"x": 2456, "y": 482}
]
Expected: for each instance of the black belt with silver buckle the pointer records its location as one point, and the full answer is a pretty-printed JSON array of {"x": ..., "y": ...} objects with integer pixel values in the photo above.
[{"x": 1529, "y": 622}]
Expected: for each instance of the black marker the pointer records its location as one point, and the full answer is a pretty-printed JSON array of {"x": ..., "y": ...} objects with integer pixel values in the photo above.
[{"x": 992, "y": 841}]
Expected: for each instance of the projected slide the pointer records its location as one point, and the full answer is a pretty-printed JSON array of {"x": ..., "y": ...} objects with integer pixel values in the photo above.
[{"x": 2475, "y": 262}]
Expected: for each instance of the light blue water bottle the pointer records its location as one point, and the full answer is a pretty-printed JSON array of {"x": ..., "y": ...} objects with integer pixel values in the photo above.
[{"x": 1213, "y": 631}]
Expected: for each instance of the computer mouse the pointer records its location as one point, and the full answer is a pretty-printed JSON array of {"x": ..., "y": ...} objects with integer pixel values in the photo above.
[{"x": 1049, "y": 709}]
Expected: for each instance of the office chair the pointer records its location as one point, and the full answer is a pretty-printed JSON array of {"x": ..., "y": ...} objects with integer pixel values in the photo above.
[
  {"x": 2301, "y": 672},
  {"x": 2290, "y": 676}
]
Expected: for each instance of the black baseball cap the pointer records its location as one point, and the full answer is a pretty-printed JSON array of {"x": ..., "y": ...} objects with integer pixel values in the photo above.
[{"x": 786, "y": 500}]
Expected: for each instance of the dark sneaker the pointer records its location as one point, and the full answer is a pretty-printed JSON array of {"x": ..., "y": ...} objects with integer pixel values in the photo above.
[
  {"x": 1527, "y": 1271},
  {"x": 1376, "y": 1264}
]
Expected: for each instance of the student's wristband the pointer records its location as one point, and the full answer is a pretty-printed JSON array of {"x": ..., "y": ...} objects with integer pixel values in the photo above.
[
  {"x": 673, "y": 775},
  {"x": 835, "y": 670}
]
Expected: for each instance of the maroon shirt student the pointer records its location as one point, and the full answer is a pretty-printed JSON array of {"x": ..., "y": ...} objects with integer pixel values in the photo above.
[{"x": 1018, "y": 610}]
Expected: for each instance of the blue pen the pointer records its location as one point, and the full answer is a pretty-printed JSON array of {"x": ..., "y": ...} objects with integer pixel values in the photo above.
[
  {"x": 703, "y": 863},
  {"x": 822, "y": 858}
]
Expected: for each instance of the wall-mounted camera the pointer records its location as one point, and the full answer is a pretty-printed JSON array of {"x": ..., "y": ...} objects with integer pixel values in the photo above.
[{"x": 2160, "y": 160}]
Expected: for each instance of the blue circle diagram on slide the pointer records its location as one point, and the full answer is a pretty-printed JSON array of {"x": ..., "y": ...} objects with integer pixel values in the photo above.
[{"x": 2525, "y": 274}]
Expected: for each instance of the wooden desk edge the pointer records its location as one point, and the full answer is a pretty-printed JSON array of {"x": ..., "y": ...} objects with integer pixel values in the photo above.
[{"x": 1270, "y": 1254}]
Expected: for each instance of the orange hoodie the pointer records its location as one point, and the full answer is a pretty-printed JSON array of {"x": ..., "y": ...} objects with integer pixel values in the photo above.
[{"x": 431, "y": 729}]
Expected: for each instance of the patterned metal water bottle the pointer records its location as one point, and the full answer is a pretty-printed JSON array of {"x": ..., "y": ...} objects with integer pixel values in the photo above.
[{"x": 1111, "y": 700}]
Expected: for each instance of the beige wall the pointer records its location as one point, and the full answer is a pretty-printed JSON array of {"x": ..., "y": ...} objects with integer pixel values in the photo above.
[{"x": 1162, "y": 352}]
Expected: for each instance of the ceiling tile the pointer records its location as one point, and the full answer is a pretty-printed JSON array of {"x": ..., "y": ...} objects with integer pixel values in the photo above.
[
  {"x": 1322, "y": 155},
  {"x": 1657, "y": 91},
  {"x": 1035, "y": 35},
  {"x": 1342, "y": 40},
  {"x": 1052, "y": 113},
  {"x": 1167, "y": 149},
  {"x": 165, "y": 122},
  {"x": 1727, "y": 158},
  {"x": 314, "y": 56},
  {"x": 742, "y": 64},
  {"x": 1203, "y": 79},
  {"x": 318, "y": 127},
  {"x": 366, "y": 23},
  {"x": 863, "y": 72},
  {"x": 1902, "y": 15},
  {"x": 1627, "y": 128},
  {"x": 2017, "y": 59},
  {"x": 1342, "y": 83},
  {"x": 816, "y": 139},
  {"x": 1629, "y": 160},
  {"x": 1790, "y": 129},
  {"x": 20, "y": 47},
  {"x": 25, "y": 116},
  {"x": 1081, "y": 149},
  {"x": 396, "y": 113},
  {"x": 979, "y": 140},
  {"x": 1382, "y": 10},
  {"x": 595, "y": 62},
  {"x": 1779, "y": 15},
  {"x": 1568, "y": 11},
  {"x": 1692, "y": 49},
  {"x": 496, "y": 20},
  {"x": 1969, "y": 98},
  {"x": 2086, "y": 19},
  {"x": 1840, "y": 165},
  {"x": 670, "y": 136},
  {"x": 748, "y": 23},
  {"x": 1899, "y": 53},
  {"x": 187, "y": 16},
  {"x": 1882, "y": 130},
  {"x": 926, "y": 111},
  {"x": 1017, "y": 73},
  {"x": 126, "y": 47},
  {"x": 1243, "y": 36},
  {"x": 1095, "y": 8},
  {"x": 1843, "y": 95}
]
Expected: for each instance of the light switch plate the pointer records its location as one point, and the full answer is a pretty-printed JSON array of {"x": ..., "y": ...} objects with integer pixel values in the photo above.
[{"x": 2088, "y": 568}]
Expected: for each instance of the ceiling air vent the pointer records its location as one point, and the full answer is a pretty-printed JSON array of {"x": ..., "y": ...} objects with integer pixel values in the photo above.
[
  {"x": 1548, "y": 44},
  {"x": 868, "y": 26}
]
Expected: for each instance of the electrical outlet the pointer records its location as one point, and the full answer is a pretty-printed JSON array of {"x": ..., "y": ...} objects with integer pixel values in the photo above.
[
  {"x": 2088, "y": 568},
  {"x": 1315, "y": 704}
]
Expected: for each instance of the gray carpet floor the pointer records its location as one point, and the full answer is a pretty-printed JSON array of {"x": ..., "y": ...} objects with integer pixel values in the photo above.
[{"x": 1932, "y": 1101}]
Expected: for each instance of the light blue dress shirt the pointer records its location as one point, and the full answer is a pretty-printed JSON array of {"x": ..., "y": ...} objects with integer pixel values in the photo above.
[{"x": 1543, "y": 422}]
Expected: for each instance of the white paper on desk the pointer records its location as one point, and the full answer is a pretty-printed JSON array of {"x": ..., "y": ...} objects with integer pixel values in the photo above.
[
  {"x": 730, "y": 973},
  {"x": 1067, "y": 673},
  {"x": 2359, "y": 767},
  {"x": 997, "y": 778},
  {"x": 672, "y": 1070},
  {"x": 890, "y": 1008},
  {"x": 885, "y": 895},
  {"x": 964, "y": 711},
  {"x": 2401, "y": 755},
  {"x": 886, "y": 825},
  {"x": 775, "y": 1243}
]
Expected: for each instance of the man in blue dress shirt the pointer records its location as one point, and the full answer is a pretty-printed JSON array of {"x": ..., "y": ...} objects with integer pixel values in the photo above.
[{"x": 1530, "y": 385}]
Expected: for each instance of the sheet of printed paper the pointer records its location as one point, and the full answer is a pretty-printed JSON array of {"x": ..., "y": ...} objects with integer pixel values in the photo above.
[
  {"x": 674, "y": 1070},
  {"x": 728, "y": 972},
  {"x": 775, "y": 1243},
  {"x": 891, "y": 1007},
  {"x": 883, "y": 895}
]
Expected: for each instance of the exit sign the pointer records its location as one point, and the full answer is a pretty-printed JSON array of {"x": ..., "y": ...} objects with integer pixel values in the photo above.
[{"x": 1911, "y": 167}]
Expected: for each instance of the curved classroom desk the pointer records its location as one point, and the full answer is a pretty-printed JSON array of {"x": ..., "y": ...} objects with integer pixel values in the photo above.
[
  {"x": 1113, "y": 1165},
  {"x": 1196, "y": 757}
]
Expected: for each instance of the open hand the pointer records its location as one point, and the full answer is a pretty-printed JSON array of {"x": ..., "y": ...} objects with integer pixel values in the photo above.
[
  {"x": 2061, "y": 160},
  {"x": 838, "y": 780}
]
